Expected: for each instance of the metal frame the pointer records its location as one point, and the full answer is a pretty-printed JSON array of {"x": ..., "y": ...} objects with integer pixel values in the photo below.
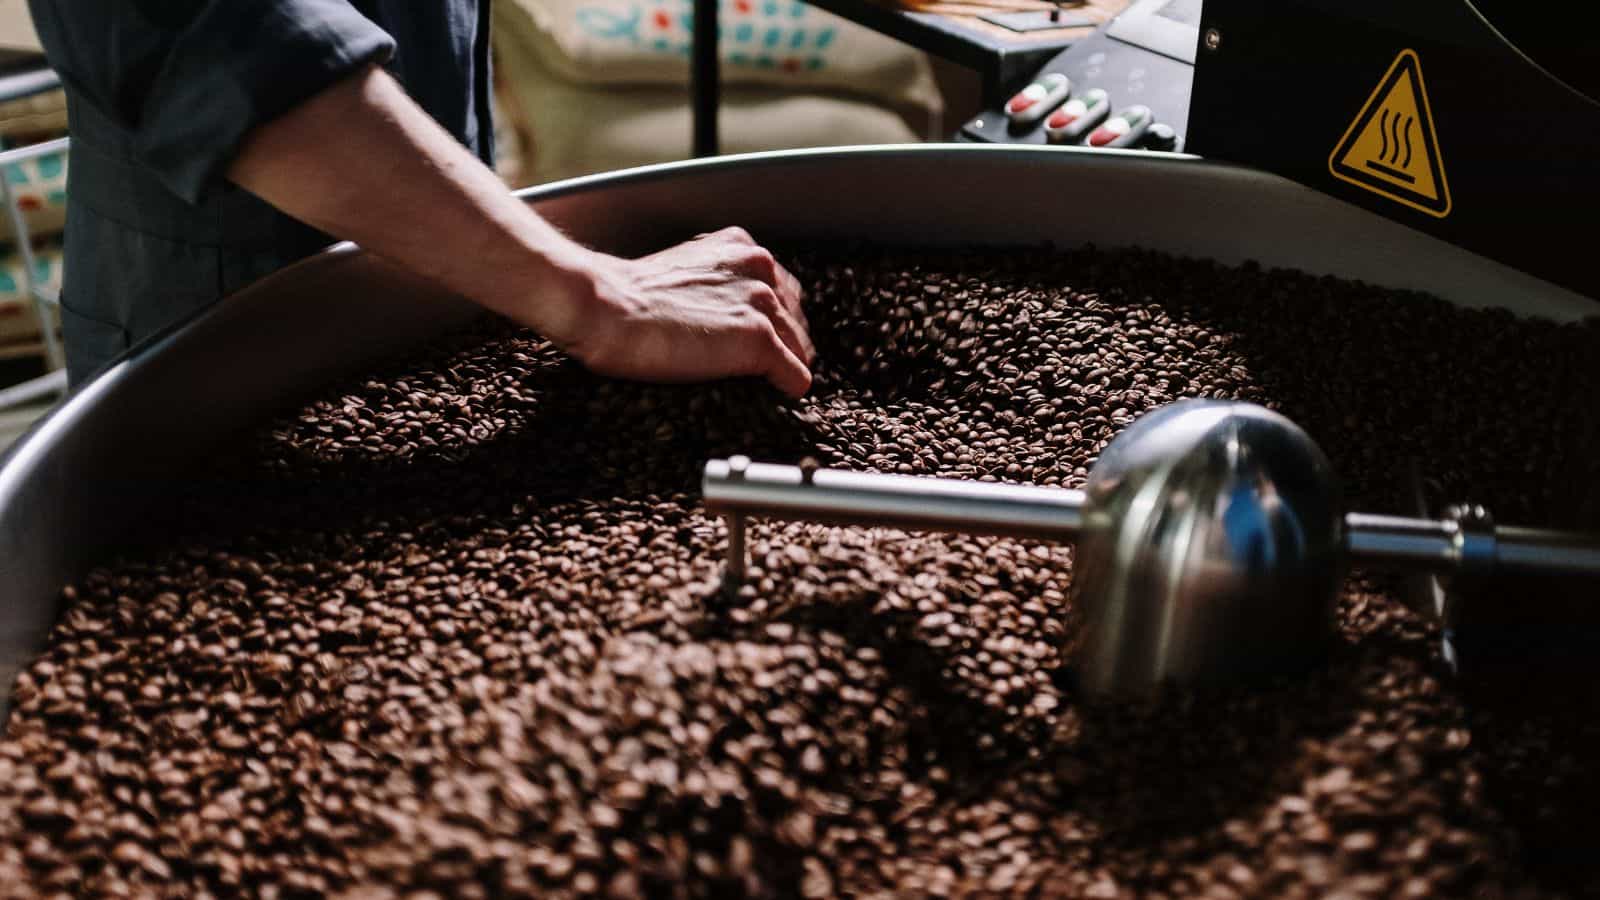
[
  {"x": 705, "y": 78},
  {"x": 53, "y": 383},
  {"x": 1000, "y": 63}
]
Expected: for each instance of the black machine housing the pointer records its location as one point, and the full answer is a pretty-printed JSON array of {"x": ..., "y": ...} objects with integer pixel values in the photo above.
[
  {"x": 1513, "y": 91},
  {"x": 1512, "y": 99},
  {"x": 1144, "y": 56}
]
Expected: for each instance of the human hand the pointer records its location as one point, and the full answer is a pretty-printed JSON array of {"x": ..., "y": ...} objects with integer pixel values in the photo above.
[{"x": 716, "y": 306}]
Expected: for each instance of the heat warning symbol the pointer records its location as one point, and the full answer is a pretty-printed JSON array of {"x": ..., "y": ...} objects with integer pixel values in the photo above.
[{"x": 1391, "y": 148}]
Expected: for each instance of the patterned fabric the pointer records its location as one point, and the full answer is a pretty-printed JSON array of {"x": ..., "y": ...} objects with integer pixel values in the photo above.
[
  {"x": 19, "y": 320},
  {"x": 40, "y": 188},
  {"x": 780, "y": 42},
  {"x": 764, "y": 34},
  {"x": 46, "y": 273}
]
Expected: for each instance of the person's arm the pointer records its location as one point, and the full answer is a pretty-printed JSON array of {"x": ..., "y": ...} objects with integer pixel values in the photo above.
[{"x": 361, "y": 161}]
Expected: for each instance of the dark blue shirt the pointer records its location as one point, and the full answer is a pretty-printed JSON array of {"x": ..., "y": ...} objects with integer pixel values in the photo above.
[{"x": 161, "y": 92}]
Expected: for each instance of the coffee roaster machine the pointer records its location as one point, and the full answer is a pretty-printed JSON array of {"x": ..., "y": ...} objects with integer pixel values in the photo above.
[
  {"x": 74, "y": 491},
  {"x": 1477, "y": 121}
]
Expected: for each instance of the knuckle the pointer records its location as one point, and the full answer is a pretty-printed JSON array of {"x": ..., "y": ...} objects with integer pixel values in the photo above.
[
  {"x": 737, "y": 233},
  {"x": 764, "y": 300},
  {"x": 761, "y": 334}
]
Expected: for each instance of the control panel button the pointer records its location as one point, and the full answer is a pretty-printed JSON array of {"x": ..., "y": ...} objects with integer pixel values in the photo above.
[
  {"x": 1032, "y": 102},
  {"x": 1125, "y": 129},
  {"x": 1161, "y": 136},
  {"x": 1073, "y": 120}
]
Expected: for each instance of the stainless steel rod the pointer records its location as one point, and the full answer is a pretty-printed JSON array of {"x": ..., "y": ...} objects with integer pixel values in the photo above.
[
  {"x": 740, "y": 489},
  {"x": 1440, "y": 545},
  {"x": 905, "y": 501},
  {"x": 1422, "y": 544},
  {"x": 1535, "y": 550}
]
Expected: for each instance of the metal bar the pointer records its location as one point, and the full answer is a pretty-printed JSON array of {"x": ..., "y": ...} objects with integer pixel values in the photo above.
[
  {"x": 1534, "y": 551},
  {"x": 43, "y": 148},
  {"x": 34, "y": 389},
  {"x": 996, "y": 54},
  {"x": 1429, "y": 596},
  {"x": 28, "y": 83},
  {"x": 740, "y": 489},
  {"x": 1421, "y": 544},
  {"x": 1437, "y": 545},
  {"x": 904, "y": 501},
  {"x": 705, "y": 78},
  {"x": 55, "y": 355}
]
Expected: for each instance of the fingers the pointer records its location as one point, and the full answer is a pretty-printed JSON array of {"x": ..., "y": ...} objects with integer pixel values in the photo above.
[
  {"x": 758, "y": 263},
  {"x": 732, "y": 234},
  {"x": 790, "y": 375},
  {"x": 790, "y": 292},
  {"x": 729, "y": 265},
  {"x": 752, "y": 260},
  {"x": 790, "y": 328},
  {"x": 783, "y": 368}
]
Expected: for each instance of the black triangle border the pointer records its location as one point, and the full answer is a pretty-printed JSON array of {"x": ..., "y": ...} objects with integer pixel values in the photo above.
[{"x": 1407, "y": 61}]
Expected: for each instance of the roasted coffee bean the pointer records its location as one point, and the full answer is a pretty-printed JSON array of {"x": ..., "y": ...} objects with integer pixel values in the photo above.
[{"x": 456, "y": 628}]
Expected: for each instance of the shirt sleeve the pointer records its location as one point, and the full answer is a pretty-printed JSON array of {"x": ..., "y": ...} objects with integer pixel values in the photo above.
[{"x": 189, "y": 79}]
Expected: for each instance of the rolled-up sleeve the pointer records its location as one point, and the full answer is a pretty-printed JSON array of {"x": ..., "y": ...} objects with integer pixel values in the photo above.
[{"x": 190, "y": 79}]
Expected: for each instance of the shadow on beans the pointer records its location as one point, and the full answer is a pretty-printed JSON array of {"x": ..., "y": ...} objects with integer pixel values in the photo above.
[{"x": 1187, "y": 762}]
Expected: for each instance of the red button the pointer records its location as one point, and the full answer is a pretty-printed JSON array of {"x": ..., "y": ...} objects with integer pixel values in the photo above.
[
  {"x": 1060, "y": 119},
  {"x": 1027, "y": 97},
  {"x": 1109, "y": 132}
]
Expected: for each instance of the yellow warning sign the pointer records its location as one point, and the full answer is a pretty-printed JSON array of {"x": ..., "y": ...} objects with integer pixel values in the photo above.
[{"x": 1391, "y": 148}]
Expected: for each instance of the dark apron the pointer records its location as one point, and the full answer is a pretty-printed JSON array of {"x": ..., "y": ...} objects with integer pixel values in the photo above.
[{"x": 139, "y": 259}]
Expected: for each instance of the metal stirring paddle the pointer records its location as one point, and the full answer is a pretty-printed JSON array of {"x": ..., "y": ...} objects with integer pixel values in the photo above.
[{"x": 1210, "y": 539}]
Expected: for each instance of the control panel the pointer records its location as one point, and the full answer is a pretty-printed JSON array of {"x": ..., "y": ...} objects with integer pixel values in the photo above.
[{"x": 1127, "y": 85}]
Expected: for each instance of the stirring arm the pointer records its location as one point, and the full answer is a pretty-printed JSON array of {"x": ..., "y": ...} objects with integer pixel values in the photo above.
[
  {"x": 1467, "y": 540},
  {"x": 738, "y": 489},
  {"x": 903, "y": 501}
]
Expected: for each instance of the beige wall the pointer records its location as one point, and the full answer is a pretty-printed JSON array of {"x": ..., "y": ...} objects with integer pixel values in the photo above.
[{"x": 16, "y": 26}]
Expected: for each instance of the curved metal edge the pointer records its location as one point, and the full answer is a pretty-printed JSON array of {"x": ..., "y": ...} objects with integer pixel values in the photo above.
[
  {"x": 1185, "y": 205},
  {"x": 679, "y": 168},
  {"x": 86, "y": 393},
  {"x": 72, "y": 485},
  {"x": 1528, "y": 58},
  {"x": 1320, "y": 234}
]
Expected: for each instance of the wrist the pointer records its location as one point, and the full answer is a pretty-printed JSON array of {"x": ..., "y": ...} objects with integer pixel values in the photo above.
[{"x": 555, "y": 291}]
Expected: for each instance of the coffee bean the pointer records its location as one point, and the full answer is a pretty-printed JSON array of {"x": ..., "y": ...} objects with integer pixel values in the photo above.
[{"x": 455, "y": 628}]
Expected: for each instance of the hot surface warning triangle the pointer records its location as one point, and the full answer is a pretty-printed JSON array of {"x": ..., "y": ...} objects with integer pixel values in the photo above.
[{"x": 1391, "y": 148}]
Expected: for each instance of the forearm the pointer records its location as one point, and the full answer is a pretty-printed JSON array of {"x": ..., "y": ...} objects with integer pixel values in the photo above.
[{"x": 361, "y": 161}]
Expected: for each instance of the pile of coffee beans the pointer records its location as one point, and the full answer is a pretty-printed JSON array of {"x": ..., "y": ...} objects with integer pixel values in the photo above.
[{"x": 457, "y": 627}]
